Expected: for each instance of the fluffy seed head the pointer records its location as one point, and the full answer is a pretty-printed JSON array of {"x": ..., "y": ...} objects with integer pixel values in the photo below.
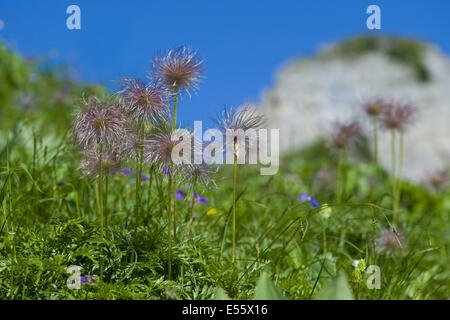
[
  {"x": 438, "y": 180},
  {"x": 375, "y": 107},
  {"x": 99, "y": 124},
  {"x": 133, "y": 145},
  {"x": 180, "y": 68},
  {"x": 198, "y": 174},
  {"x": 144, "y": 101},
  {"x": 244, "y": 118},
  {"x": 389, "y": 240},
  {"x": 397, "y": 117},
  {"x": 159, "y": 146}
]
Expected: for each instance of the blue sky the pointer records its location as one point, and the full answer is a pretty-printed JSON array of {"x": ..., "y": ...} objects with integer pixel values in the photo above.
[{"x": 243, "y": 42}]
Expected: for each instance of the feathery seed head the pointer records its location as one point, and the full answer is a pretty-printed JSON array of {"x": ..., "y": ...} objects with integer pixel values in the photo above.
[
  {"x": 397, "y": 117},
  {"x": 99, "y": 124},
  {"x": 160, "y": 145},
  {"x": 180, "y": 69},
  {"x": 375, "y": 107},
  {"x": 90, "y": 165},
  {"x": 438, "y": 180},
  {"x": 389, "y": 240},
  {"x": 345, "y": 133},
  {"x": 144, "y": 101},
  {"x": 245, "y": 120},
  {"x": 198, "y": 174}
]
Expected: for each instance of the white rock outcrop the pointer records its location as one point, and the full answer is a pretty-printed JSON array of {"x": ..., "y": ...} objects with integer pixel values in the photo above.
[{"x": 310, "y": 94}]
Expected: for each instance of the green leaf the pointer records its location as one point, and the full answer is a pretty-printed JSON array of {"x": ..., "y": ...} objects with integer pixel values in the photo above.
[
  {"x": 221, "y": 294},
  {"x": 336, "y": 289},
  {"x": 266, "y": 290}
]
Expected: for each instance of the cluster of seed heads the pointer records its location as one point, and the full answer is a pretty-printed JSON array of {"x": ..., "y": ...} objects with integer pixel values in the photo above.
[
  {"x": 138, "y": 120},
  {"x": 392, "y": 115}
]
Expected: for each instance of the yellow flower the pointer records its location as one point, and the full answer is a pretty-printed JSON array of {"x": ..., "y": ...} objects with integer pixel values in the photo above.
[
  {"x": 211, "y": 211},
  {"x": 325, "y": 211}
]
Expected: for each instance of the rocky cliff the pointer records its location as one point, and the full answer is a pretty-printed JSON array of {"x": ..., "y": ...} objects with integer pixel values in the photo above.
[{"x": 311, "y": 93}]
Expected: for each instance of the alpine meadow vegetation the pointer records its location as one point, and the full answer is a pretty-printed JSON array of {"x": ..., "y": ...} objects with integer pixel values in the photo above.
[{"x": 87, "y": 179}]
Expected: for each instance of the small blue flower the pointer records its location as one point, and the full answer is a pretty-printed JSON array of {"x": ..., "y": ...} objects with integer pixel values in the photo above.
[
  {"x": 314, "y": 203},
  {"x": 304, "y": 197},
  {"x": 83, "y": 279},
  {"x": 126, "y": 172},
  {"x": 166, "y": 171},
  {"x": 181, "y": 194},
  {"x": 200, "y": 199}
]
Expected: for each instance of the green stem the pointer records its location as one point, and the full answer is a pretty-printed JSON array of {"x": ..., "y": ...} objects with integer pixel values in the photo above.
[
  {"x": 100, "y": 201},
  {"x": 233, "y": 254},
  {"x": 139, "y": 174},
  {"x": 169, "y": 212},
  {"x": 375, "y": 141},
  {"x": 375, "y": 157},
  {"x": 105, "y": 199},
  {"x": 174, "y": 209},
  {"x": 339, "y": 178},
  {"x": 340, "y": 184},
  {"x": 175, "y": 104},
  {"x": 192, "y": 202},
  {"x": 150, "y": 183},
  {"x": 399, "y": 177}
]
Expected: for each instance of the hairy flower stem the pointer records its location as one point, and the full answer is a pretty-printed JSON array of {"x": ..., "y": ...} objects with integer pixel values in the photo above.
[
  {"x": 375, "y": 155},
  {"x": 169, "y": 212},
  {"x": 150, "y": 183},
  {"x": 192, "y": 201},
  {"x": 175, "y": 104},
  {"x": 105, "y": 199},
  {"x": 394, "y": 179},
  {"x": 339, "y": 178},
  {"x": 100, "y": 203},
  {"x": 174, "y": 209},
  {"x": 139, "y": 174},
  {"x": 375, "y": 142},
  {"x": 233, "y": 254},
  {"x": 340, "y": 183}
]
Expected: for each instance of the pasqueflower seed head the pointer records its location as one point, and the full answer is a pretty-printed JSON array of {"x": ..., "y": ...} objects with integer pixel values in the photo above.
[
  {"x": 144, "y": 102},
  {"x": 99, "y": 124},
  {"x": 180, "y": 69}
]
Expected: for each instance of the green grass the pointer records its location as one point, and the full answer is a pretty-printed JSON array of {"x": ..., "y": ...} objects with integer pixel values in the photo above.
[{"x": 49, "y": 222}]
